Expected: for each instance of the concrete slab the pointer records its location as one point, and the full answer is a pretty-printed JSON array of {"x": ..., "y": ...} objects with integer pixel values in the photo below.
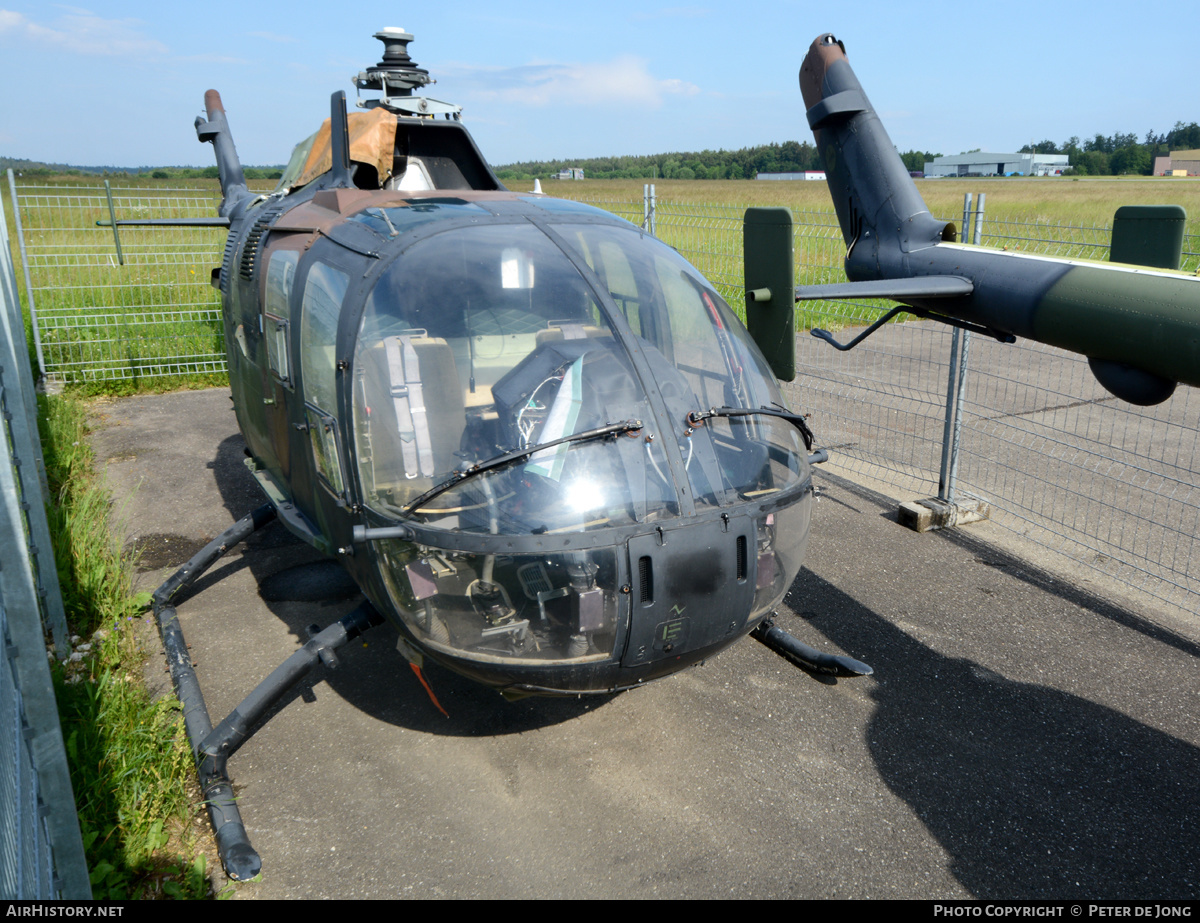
[{"x": 1020, "y": 738}]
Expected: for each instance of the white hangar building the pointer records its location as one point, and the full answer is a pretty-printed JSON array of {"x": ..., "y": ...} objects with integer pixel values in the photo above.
[{"x": 983, "y": 163}]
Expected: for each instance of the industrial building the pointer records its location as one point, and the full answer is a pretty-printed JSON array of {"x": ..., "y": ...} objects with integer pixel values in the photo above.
[
  {"x": 983, "y": 163},
  {"x": 804, "y": 174},
  {"x": 1180, "y": 163}
]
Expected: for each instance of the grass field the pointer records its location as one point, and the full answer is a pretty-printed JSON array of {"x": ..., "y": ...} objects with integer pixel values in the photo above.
[
  {"x": 1057, "y": 216},
  {"x": 1057, "y": 200},
  {"x": 155, "y": 319},
  {"x": 123, "y": 321}
]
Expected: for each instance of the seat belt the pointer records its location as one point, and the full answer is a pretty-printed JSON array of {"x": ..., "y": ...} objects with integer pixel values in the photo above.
[{"x": 408, "y": 399}]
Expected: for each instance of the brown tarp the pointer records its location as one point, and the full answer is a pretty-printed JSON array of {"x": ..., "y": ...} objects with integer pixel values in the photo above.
[{"x": 372, "y": 141}]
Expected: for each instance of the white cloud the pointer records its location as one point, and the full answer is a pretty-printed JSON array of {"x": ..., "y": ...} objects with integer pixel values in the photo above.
[
  {"x": 682, "y": 87},
  {"x": 82, "y": 32},
  {"x": 623, "y": 81}
]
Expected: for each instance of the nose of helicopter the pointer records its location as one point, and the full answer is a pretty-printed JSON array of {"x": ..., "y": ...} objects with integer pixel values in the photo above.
[{"x": 691, "y": 588}]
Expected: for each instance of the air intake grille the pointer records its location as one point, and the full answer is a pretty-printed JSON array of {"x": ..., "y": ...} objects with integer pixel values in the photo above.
[
  {"x": 646, "y": 578},
  {"x": 251, "y": 247}
]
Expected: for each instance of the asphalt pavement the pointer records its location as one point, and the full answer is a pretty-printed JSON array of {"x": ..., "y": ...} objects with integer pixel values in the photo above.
[{"x": 1020, "y": 738}]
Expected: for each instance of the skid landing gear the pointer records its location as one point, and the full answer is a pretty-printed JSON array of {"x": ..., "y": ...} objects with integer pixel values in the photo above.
[
  {"x": 213, "y": 747},
  {"x": 807, "y": 658}
]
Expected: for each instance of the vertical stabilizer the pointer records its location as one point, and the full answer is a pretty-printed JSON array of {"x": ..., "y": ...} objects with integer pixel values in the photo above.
[
  {"x": 229, "y": 168},
  {"x": 882, "y": 215}
]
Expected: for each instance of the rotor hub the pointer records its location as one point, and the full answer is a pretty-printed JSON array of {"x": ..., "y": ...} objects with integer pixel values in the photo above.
[{"x": 397, "y": 74}]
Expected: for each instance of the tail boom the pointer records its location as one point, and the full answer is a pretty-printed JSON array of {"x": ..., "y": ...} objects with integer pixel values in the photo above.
[{"x": 1139, "y": 328}]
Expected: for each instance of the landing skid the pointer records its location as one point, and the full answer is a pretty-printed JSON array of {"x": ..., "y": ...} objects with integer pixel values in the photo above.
[
  {"x": 807, "y": 658},
  {"x": 213, "y": 747}
]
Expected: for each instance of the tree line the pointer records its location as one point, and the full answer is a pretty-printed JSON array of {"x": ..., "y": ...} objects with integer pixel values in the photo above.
[
  {"x": 1111, "y": 155},
  {"x": 1098, "y": 156},
  {"x": 785, "y": 157},
  {"x": 30, "y": 168}
]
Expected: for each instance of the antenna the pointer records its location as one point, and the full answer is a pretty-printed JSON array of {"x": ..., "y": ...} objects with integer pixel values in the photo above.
[{"x": 339, "y": 140}]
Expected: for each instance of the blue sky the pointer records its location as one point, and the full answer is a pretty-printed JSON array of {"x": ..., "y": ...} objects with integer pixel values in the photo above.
[{"x": 122, "y": 83}]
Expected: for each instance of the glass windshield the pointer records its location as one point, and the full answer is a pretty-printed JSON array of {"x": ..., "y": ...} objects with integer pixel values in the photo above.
[
  {"x": 702, "y": 357},
  {"x": 481, "y": 341}
]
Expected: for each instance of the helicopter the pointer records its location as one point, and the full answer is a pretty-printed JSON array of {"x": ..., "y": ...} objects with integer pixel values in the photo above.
[
  {"x": 536, "y": 437},
  {"x": 1139, "y": 325},
  {"x": 539, "y": 441}
]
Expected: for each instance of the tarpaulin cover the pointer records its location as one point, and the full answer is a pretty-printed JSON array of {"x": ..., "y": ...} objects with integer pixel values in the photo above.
[{"x": 372, "y": 141}]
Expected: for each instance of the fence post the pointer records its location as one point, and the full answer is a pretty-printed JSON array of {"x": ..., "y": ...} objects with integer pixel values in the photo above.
[
  {"x": 37, "y": 338},
  {"x": 979, "y": 220},
  {"x": 956, "y": 381},
  {"x": 648, "y": 205},
  {"x": 948, "y": 420},
  {"x": 112, "y": 217},
  {"x": 29, "y": 471},
  {"x": 958, "y": 402}
]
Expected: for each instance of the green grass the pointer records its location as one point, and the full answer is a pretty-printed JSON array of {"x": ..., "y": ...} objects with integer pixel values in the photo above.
[
  {"x": 1059, "y": 200},
  {"x": 129, "y": 757},
  {"x": 129, "y": 764},
  {"x": 1056, "y": 216},
  {"x": 108, "y": 327},
  {"x": 154, "y": 321}
]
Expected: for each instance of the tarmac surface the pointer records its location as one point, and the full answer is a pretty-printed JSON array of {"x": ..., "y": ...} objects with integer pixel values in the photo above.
[{"x": 1021, "y": 738}]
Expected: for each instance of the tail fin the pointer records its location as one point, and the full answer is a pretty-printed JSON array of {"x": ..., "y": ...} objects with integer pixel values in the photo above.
[
  {"x": 882, "y": 215},
  {"x": 216, "y": 130}
]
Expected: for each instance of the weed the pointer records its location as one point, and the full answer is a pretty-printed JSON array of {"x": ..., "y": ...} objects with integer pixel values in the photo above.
[{"x": 129, "y": 756}]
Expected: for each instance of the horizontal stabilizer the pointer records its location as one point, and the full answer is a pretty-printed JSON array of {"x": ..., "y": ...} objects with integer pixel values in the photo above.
[
  {"x": 895, "y": 289},
  {"x": 840, "y": 105}
]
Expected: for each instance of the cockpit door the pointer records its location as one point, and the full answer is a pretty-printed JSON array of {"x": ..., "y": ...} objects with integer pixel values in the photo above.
[{"x": 278, "y": 376}]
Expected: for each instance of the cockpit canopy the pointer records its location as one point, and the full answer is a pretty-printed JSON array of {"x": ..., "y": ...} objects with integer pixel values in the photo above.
[{"x": 498, "y": 338}]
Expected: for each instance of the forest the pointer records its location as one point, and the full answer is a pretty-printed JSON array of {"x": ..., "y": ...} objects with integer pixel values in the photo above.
[
  {"x": 1099, "y": 156},
  {"x": 745, "y": 163},
  {"x": 1102, "y": 155},
  {"x": 1118, "y": 153}
]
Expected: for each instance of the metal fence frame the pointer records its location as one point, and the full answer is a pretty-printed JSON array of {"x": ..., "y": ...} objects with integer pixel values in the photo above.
[
  {"x": 41, "y": 851},
  {"x": 101, "y": 308},
  {"x": 1025, "y": 429},
  {"x": 1037, "y": 438}
]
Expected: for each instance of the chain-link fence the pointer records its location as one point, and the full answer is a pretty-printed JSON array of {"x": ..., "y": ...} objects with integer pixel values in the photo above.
[
  {"x": 1070, "y": 241},
  {"x": 710, "y": 238},
  {"x": 41, "y": 852},
  {"x": 128, "y": 307},
  {"x": 1057, "y": 458}
]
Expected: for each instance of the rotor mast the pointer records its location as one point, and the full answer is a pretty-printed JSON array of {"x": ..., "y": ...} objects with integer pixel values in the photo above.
[{"x": 396, "y": 76}]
